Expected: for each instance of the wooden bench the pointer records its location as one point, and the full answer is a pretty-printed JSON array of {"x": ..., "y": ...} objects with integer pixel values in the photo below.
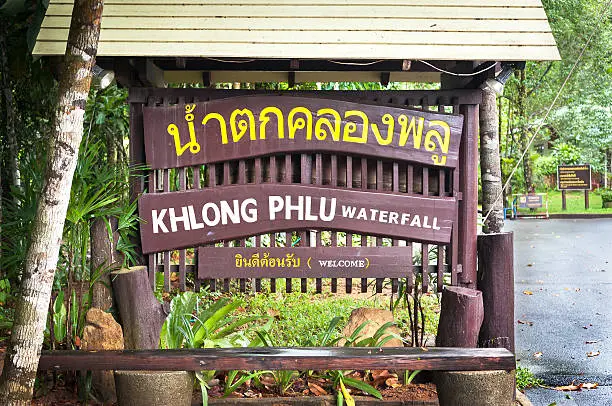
[{"x": 280, "y": 358}]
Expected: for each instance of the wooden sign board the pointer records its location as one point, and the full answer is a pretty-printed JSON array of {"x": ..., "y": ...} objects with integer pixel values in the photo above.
[
  {"x": 574, "y": 177},
  {"x": 304, "y": 262},
  {"x": 530, "y": 201},
  {"x": 244, "y": 127},
  {"x": 191, "y": 218}
]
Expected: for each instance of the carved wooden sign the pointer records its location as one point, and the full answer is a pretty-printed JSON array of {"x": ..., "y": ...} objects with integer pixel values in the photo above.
[
  {"x": 191, "y": 218},
  {"x": 243, "y": 127},
  {"x": 304, "y": 262}
]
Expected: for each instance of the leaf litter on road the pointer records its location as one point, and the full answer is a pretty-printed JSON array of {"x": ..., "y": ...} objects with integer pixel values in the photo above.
[{"x": 575, "y": 387}]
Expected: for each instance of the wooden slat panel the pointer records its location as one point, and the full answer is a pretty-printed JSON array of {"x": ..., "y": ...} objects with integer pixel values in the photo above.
[
  {"x": 383, "y": 29},
  {"x": 349, "y": 236},
  {"x": 224, "y": 359},
  {"x": 406, "y": 98},
  {"x": 183, "y": 252},
  {"x": 311, "y": 37},
  {"x": 413, "y": 10},
  {"x": 439, "y": 3},
  {"x": 428, "y": 25},
  {"x": 305, "y": 179},
  {"x": 315, "y": 51}
]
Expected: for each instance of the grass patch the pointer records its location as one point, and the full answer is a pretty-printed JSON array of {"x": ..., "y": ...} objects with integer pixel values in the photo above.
[
  {"x": 300, "y": 316},
  {"x": 526, "y": 379},
  {"x": 575, "y": 204}
]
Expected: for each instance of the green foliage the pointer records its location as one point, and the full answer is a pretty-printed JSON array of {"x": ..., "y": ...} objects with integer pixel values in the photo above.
[
  {"x": 190, "y": 324},
  {"x": 606, "y": 195},
  {"x": 282, "y": 379},
  {"x": 582, "y": 116},
  {"x": 59, "y": 318},
  {"x": 5, "y": 290},
  {"x": 327, "y": 337},
  {"x": 341, "y": 381},
  {"x": 562, "y": 154},
  {"x": 298, "y": 315},
  {"x": 525, "y": 379},
  {"x": 378, "y": 339}
]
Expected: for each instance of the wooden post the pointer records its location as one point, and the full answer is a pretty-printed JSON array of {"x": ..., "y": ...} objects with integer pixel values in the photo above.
[
  {"x": 141, "y": 314},
  {"x": 563, "y": 201},
  {"x": 468, "y": 206},
  {"x": 461, "y": 316},
  {"x": 496, "y": 282},
  {"x": 586, "y": 199}
]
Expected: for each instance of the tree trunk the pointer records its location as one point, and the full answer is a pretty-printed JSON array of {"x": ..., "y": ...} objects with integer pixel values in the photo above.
[
  {"x": 104, "y": 259},
  {"x": 23, "y": 352},
  {"x": 490, "y": 164},
  {"x": 524, "y": 137}
]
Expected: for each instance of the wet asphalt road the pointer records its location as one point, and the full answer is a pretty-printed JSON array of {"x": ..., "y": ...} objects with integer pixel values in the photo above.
[{"x": 567, "y": 265}]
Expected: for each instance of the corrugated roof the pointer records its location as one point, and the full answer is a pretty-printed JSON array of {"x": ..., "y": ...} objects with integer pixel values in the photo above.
[{"x": 314, "y": 29}]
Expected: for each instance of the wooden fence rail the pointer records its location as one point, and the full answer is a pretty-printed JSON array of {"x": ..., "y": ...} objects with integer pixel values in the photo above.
[{"x": 277, "y": 358}]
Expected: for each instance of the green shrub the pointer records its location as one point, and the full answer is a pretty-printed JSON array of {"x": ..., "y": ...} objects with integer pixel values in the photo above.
[{"x": 606, "y": 195}]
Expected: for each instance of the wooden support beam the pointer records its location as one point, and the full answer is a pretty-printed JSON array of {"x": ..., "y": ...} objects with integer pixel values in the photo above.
[
  {"x": 278, "y": 358},
  {"x": 468, "y": 206}
]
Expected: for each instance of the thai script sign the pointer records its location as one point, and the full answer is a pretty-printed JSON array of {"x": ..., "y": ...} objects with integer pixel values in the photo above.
[
  {"x": 304, "y": 262},
  {"x": 187, "y": 219},
  {"x": 530, "y": 201},
  {"x": 243, "y": 127},
  {"x": 574, "y": 177}
]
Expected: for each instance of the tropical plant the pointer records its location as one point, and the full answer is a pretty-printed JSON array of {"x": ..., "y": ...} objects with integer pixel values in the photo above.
[
  {"x": 378, "y": 339},
  {"x": 340, "y": 382},
  {"x": 191, "y": 324},
  {"x": 327, "y": 337},
  {"x": 283, "y": 379}
]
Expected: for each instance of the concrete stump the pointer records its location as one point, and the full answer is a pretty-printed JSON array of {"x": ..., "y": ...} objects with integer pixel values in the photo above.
[
  {"x": 147, "y": 388},
  {"x": 475, "y": 388}
]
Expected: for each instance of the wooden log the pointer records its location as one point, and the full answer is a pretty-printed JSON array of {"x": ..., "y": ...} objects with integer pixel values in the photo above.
[
  {"x": 496, "y": 282},
  {"x": 461, "y": 316},
  {"x": 141, "y": 314},
  {"x": 278, "y": 358}
]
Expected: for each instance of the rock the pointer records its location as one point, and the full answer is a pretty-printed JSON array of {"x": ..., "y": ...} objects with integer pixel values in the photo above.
[
  {"x": 102, "y": 332},
  {"x": 376, "y": 318}
]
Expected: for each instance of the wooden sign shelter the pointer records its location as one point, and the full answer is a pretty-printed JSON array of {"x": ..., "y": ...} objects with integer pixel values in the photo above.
[
  {"x": 355, "y": 186},
  {"x": 325, "y": 168}
]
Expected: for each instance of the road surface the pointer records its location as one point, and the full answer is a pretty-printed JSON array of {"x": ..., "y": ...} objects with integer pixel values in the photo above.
[{"x": 563, "y": 298}]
